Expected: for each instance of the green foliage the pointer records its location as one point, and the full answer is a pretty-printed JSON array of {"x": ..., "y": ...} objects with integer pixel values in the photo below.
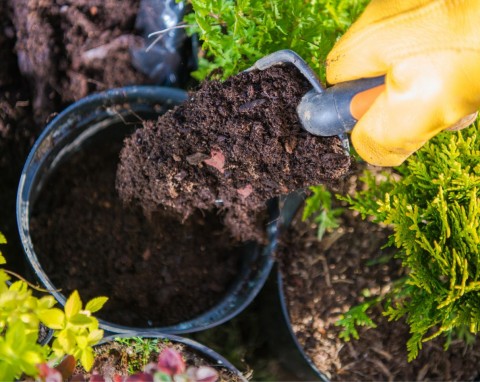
[
  {"x": 3, "y": 240},
  {"x": 320, "y": 205},
  {"x": 142, "y": 347},
  {"x": 20, "y": 316},
  {"x": 356, "y": 316},
  {"x": 435, "y": 212},
  {"x": 76, "y": 329},
  {"x": 236, "y": 33}
]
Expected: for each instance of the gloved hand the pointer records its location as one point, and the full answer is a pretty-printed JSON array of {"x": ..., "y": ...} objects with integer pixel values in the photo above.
[{"x": 430, "y": 53}]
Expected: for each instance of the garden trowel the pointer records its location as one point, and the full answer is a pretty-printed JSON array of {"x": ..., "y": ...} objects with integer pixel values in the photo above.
[{"x": 328, "y": 111}]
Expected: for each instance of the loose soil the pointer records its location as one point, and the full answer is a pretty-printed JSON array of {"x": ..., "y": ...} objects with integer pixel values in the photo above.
[
  {"x": 115, "y": 358},
  {"x": 70, "y": 48},
  {"x": 231, "y": 147},
  {"x": 43, "y": 45},
  {"x": 155, "y": 273},
  {"x": 324, "y": 279}
]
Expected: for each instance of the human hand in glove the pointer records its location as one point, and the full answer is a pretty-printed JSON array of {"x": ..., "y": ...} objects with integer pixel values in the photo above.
[{"x": 429, "y": 51}]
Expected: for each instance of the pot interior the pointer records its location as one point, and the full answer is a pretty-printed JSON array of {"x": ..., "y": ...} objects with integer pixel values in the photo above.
[{"x": 68, "y": 220}]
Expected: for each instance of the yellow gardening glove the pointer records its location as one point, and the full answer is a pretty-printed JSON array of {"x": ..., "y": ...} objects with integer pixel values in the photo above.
[{"x": 430, "y": 53}]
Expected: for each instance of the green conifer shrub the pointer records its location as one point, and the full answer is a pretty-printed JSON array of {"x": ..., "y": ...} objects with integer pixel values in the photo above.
[{"x": 434, "y": 210}]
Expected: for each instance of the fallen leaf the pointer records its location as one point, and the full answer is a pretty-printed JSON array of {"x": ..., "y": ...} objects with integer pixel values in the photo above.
[
  {"x": 245, "y": 191},
  {"x": 217, "y": 160}
]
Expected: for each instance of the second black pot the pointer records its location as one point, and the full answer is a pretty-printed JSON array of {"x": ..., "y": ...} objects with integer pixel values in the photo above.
[{"x": 275, "y": 318}]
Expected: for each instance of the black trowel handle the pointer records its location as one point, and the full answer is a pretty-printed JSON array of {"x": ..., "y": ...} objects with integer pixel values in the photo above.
[{"x": 336, "y": 110}]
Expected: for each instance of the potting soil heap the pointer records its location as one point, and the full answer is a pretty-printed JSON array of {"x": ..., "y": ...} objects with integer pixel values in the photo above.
[{"x": 231, "y": 146}]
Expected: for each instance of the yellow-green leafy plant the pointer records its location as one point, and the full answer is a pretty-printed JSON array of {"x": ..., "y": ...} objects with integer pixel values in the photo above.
[{"x": 21, "y": 313}]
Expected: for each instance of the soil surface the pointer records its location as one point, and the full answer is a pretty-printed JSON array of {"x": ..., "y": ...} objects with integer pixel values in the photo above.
[
  {"x": 324, "y": 279},
  {"x": 70, "y": 48},
  {"x": 43, "y": 45},
  {"x": 232, "y": 146},
  {"x": 127, "y": 357},
  {"x": 155, "y": 273}
]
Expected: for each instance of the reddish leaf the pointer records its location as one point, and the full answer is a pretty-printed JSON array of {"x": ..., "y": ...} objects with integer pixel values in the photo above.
[
  {"x": 150, "y": 368},
  {"x": 97, "y": 378},
  {"x": 49, "y": 374},
  {"x": 202, "y": 374},
  {"x": 217, "y": 160},
  {"x": 245, "y": 191},
  {"x": 78, "y": 378},
  {"x": 117, "y": 378},
  {"x": 66, "y": 366},
  {"x": 171, "y": 362}
]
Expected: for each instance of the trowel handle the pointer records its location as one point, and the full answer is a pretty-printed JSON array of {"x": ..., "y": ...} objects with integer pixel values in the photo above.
[{"x": 339, "y": 107}]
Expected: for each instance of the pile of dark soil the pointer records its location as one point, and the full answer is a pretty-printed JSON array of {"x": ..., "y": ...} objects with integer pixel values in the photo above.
[
  {"x": 324, "y": 279},
  {"x": 155, "y": 273},
  {"x": 70, "y": 48},
  {"x": 232, "y": 145},
  {"x": 7, "y": 43},
  {"x": 42, "y": 43},
  {"x": 17, "y": 133},
  {"x": 122, "y": 358}
]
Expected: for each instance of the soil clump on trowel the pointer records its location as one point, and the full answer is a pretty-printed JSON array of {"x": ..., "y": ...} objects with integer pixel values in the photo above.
[{"x": 231, "y": 146}]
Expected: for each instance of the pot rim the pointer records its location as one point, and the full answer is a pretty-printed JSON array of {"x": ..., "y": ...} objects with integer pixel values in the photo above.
[{"x": 292, "y": 206}]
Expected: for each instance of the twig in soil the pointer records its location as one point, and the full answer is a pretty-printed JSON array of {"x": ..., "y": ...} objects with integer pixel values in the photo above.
[
  {"x": 342, "y": 281},
  {"x": 383, "y": 369},
  {"x": 382, "y": 353},
  {"x": 346, "y": 367},
  {"x": 326, "y": 271},
  {"x": 102, "y": 51},
  {"x": 98, "y": 83},
  {"x": 76, "y": 17},
  {"x": 352, "y": 350},
  {"x": 37, "y": 288},
  {"x": 162, "y": 32},
  {"x": 114, "y": 111},
  {"x": 22, "y": 103},
  {"x": 329, "y": 240},
  {"x": 423, "y": 372}
]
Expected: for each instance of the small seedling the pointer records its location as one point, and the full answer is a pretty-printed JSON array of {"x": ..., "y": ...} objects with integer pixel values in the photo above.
[
  {"x": 143, "y": 347},
  {"x": 319, "y": 204}
]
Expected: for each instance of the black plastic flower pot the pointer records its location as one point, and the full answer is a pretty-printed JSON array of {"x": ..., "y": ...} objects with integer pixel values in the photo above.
[
  {"x": 212, "y": 358},
  {"x": 110, "y": 115},
  {"x": 275, "y": 318}
]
